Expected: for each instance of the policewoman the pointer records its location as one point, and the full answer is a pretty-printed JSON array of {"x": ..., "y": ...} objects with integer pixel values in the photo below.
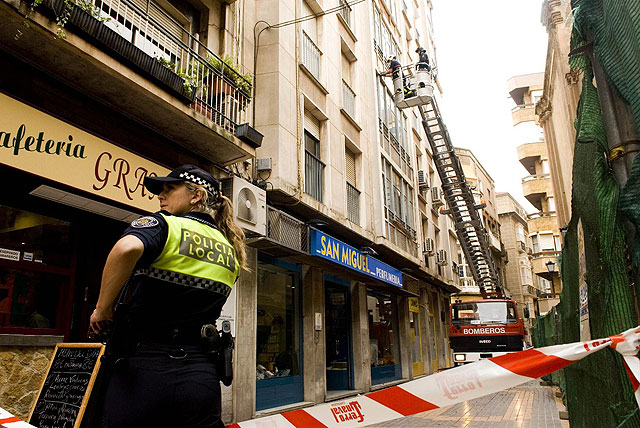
[{"x": 181, "y": 264}]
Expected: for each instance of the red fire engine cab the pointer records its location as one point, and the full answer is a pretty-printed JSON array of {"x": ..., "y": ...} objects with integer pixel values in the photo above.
[{"x": 481, "y": 329}]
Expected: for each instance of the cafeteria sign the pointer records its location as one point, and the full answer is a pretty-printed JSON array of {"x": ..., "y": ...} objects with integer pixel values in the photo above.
[
  {"x": 33, "y": 141},
  {"x": 329, "y": 248}
]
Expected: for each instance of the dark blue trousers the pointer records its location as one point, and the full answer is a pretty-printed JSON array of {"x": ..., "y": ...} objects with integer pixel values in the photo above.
[{"x": 151, "y": 389}]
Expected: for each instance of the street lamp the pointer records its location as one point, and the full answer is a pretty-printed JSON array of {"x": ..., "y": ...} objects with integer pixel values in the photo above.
[{"x": 551, "y": 266}]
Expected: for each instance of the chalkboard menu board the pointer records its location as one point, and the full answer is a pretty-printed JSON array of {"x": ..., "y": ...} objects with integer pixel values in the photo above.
[{"x": 67, "y": 385}]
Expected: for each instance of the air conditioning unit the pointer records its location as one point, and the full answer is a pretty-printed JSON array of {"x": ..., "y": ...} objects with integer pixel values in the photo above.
[
  {"x": 436, "y": 197},
  {"x": 422, "y": 179},
  {"x": 441, "y": 257},
  {"x": 429, "y": 247},
  {"x": 249, "y": 204}
]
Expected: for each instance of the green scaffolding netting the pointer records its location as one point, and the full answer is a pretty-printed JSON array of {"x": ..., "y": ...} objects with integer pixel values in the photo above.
[{"x": 597, "y": 388}]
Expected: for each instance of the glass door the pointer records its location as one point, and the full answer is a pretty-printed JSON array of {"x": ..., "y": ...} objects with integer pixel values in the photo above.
[
  {"x": 338, "y": 337},
  {"x": 416, "y": 337},
  {"x": 278, "y": 355}
]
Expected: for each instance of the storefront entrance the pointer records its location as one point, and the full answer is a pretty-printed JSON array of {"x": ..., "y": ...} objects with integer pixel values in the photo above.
[
  {"x": 383, "y": 337},
  {"x": 416, "y": 337},
  {"x": 279, "y": 379},
  {"x": 338, "y": 336}
]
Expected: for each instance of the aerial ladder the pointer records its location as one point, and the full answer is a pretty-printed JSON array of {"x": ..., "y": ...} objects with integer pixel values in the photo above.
[
  {"x": 461, "y": 204},
  {"x": 478, "y": 329}
]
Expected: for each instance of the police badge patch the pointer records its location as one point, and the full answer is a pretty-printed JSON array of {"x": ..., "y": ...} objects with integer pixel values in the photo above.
[{"x": 145, "y": 222}]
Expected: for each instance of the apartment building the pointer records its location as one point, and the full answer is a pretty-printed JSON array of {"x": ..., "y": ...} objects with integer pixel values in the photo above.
[
  {"x": 483, "y": 189},
  {"x": 95, "y": 98},
  {"x": 351, "y": 265},
  {"x": 526, "y": 91},
  {"x": 346, "y": 285},
  {"x": 556, "y": 109},
  {"x": 514, "y": 231}
]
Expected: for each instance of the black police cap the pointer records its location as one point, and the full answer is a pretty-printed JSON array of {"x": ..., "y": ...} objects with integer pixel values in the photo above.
[{"x": 190, "y": 173}]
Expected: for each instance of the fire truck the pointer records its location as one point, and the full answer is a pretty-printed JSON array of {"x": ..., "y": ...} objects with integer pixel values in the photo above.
[
  {"x": 480, "y": 328},
  {"x": 487, "y": 328}
]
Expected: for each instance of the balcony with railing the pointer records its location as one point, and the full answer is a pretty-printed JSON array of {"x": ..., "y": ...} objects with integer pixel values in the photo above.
[
  {"x": 399, "y": 233},
  {"x": 530, "y": 153},
  {"x": 535, "y": 188},
  {"x": 313, "y": 179},
  {"x": 218, "y": 90},
  {"x": 345, "y": 12},
  {"x": 120, "y": 47},
  {"x": 348, "y": 101},
  {"x": 394, "y": 149},
  {"x": 523, "y": 113},
  {"x": 542, "y": 220},
  {"x": 311, "y": 55},
  {"x": 353, "y": 203}
]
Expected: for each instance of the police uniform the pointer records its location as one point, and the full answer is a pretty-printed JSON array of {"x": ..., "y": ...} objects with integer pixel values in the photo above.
[{"x": 180, "y": 283}]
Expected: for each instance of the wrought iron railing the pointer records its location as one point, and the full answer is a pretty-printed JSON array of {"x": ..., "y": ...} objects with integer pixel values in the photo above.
[
  {"x": 287, "y": 231},
  {"x": 219, "y": 90},
  {"x": 345, "y": 12},
  {"x": 311, "y": 55},
  {"x": 353, "y": 203},
  {"x": 535, "y": 177},
  {"x": 314, "y": 171},
  {"x": 348, "y": 100}
]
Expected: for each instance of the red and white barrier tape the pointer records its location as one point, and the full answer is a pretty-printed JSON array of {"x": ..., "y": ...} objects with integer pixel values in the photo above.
[
  {"x": 453, "y": 386},
  {"x": 441, "y": 389},
  {"x": 10, "y": 421}
]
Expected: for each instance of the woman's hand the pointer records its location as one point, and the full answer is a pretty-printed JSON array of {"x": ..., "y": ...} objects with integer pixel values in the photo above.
[{"x": 101, "y": 320}]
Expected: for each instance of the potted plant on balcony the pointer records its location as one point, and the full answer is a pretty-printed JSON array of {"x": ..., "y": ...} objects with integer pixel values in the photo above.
[{"x": 230, "y": 81}]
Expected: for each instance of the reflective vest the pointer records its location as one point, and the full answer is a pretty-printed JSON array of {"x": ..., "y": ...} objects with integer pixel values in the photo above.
[{"x": 195, "y": 255}]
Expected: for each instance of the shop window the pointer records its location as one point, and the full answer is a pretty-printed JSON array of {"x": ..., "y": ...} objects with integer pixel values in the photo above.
[
  {"x": 35, "y": 274},
  {"x": 383, "y": 337},
  {"x": 278, "y": 337},
  {"x": 416, "y": 339}
]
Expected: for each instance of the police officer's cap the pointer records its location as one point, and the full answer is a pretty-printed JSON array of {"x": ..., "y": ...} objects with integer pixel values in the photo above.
[
  {"x": 189, "y": 173},
  {"x": 421, "y": 49}
]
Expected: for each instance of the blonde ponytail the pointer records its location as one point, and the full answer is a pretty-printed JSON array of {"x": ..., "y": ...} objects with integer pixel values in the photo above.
[{"x": 221, "y": 210}]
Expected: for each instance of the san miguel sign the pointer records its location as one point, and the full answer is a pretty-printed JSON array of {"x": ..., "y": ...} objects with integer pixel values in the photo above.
[{"x": 35, "y": 142}]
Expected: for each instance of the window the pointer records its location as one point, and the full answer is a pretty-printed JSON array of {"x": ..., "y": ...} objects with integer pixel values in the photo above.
[
  {"x": 551, "y": 204},
  {"x": 398, "y": 194},
  {"x": 383, "y": 337},
  {"x": 525, "y": 271},
  {"x": 353, "y": 194},
  {"x": 35, "y": 272},
  {"x": 544, "y": 165},
  {"x": 311, "y": 53},
  {"x": 314, "y": 167},
  {"x": 520, "y": 233},
  {"x": 547, "y": 242}
]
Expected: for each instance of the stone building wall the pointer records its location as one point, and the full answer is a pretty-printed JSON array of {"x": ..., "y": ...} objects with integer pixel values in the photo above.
[{"x": 21, "y": 372}]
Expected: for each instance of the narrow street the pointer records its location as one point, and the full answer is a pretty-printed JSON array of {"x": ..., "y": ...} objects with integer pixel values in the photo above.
[{"x": 526, "y": 406}]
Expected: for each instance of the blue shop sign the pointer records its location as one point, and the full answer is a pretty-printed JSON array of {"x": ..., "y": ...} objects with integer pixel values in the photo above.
[{"x": 329, "y": 248}]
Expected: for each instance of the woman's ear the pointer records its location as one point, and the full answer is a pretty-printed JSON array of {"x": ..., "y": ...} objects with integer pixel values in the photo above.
[{"x": 197, "y": 196}]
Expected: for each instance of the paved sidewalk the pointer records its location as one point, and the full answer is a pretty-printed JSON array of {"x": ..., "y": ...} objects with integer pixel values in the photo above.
[{"x": 526, "y": 406}]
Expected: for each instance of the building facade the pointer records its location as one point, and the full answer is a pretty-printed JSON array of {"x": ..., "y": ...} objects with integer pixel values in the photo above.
[
  {"x": 556, "y": 109},
  {"x": 351, "y": 264},
  {"x": 343, "y": 170},
  {"x": 514, "y": 231},
  {"x": 537, "y": 187},
  {"x": 91, "y": 108}
]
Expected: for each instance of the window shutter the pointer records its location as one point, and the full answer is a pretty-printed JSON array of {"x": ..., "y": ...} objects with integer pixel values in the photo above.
[
  {"x": 312, "y": 125},
  {"x": 350, "y": 166}
]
